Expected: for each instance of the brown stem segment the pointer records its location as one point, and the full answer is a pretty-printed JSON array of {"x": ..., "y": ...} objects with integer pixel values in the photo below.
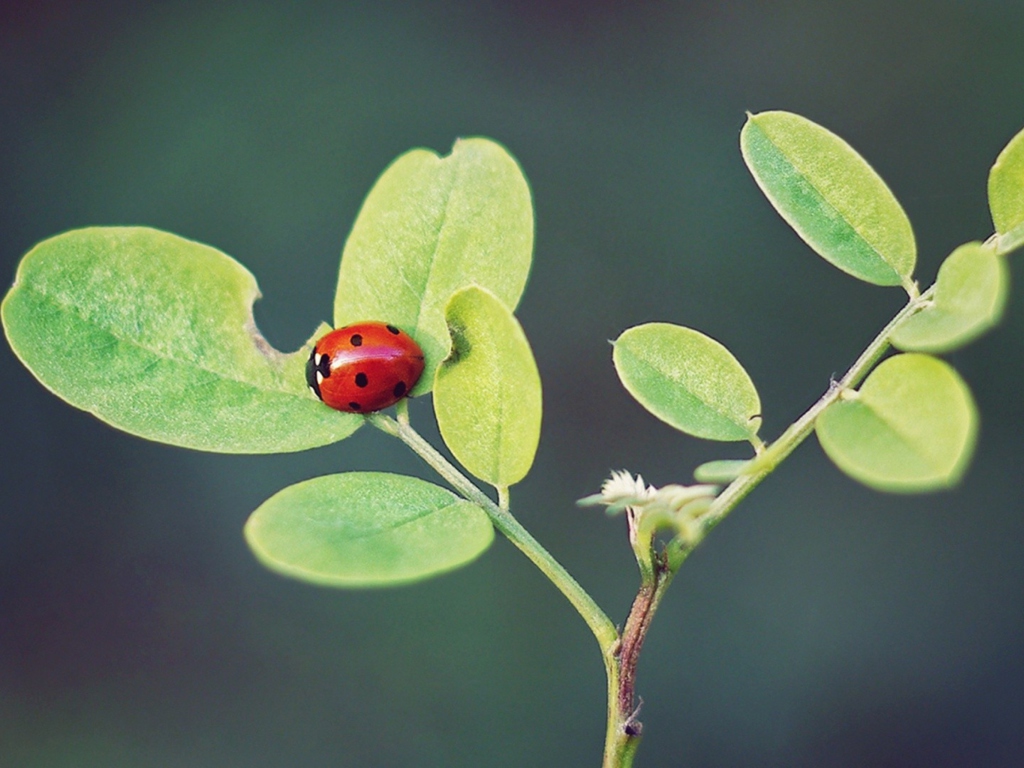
[{"x": 633, "y": 635}]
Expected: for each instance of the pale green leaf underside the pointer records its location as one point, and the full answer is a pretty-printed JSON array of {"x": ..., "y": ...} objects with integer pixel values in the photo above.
[
  {"x": 1006, "y": 194},
  {"x": 910, "y": 428},
  {"x": 366, "y": 529},
  {"x": 154, "y": 334},
  {"x": 830, "y": 195},
  {"x": 430, "y": 226},
  {"x": 970, "y": 293},
  {"x": 487, "y": 395},
  {"x": 688, "y": 380}
]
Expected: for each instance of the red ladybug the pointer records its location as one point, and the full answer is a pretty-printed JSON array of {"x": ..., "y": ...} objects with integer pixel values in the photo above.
[{"x": 364, "y": 367}]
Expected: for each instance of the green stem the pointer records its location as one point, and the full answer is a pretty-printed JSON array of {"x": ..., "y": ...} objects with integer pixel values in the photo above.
[
  {"x": 604, "y": 631},
  {"x": 798, "y": 431},
  {"x": 624, "y": 730},
  {"x": 599, "y": 623},
  {"x": 621, "y": 654},
  {"x": 623, "y": 727}
]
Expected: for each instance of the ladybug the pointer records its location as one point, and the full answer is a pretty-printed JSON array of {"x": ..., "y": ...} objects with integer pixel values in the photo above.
[{"x": 364, "y": 367}]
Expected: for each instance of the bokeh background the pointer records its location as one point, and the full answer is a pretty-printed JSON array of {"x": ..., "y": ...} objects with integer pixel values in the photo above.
[{"x": 823, "y": 624}]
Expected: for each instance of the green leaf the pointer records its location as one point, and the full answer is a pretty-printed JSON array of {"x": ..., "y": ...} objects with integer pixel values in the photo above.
[
  {"x": 366, "y": 529},
  {"x": 830, "y": 195},
  {"x": 970, "y": 293},
  {"x": 487, "y": 395},
  {"x": 154, "y": 334},
  {"x": 430, "y": 226},
  {"x": 1006, "y": 194},
  {"x": 721, "y": 471},
  {"x": 688, "y": 380},
  {"x": 910, "y": 428}
]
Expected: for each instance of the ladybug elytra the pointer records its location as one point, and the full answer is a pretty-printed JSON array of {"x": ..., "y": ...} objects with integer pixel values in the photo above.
[{"x": 364, "y": 367}]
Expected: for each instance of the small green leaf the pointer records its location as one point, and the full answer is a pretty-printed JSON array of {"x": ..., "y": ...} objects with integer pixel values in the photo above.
[
  {"x": 430, "y": 226},
  {"x": 366, "y": 529},
  {"x": 688, "y": 380},
  {"x": 154, "y": 334},
  {"x": 910, "y": 428},
  {"x": 831, "y": 196},
  {"x": 1006, "y": 194},
  {"x": 970, "y": 293},
  {"x": 721, "y": 471},
  {"x": 487, "y": 395}
]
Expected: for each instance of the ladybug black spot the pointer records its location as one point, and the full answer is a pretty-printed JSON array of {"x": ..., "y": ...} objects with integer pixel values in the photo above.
[
  {"x": 393, "y": 329},
  {"x": 399, "y": 389},
  {"x": 355, "y": 406},
  {"x": 325, "y": 366},
  {"x": 357, "y": 340},
  {"x": 361, "y": 380}
]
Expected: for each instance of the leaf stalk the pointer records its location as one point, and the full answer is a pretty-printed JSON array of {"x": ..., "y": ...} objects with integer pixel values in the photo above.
[
  {"x": 599, "y": 623},
  {"x": 798, "y": 431}
]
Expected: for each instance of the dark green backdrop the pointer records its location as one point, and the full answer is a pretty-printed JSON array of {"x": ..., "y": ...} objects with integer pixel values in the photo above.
[{"x": 822, "y": 625}]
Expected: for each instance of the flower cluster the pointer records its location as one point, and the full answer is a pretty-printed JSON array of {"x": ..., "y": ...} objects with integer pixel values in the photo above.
[{"x": 648, "y": 508}]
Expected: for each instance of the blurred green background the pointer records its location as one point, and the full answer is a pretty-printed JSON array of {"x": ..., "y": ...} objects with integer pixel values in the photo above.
[{"x": 822, "y": 624}]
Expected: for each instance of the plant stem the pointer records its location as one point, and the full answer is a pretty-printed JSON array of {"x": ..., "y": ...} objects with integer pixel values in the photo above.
[
  {"x": 604, "y": 631},
  {"x": 624, "y": 729},
  {"x": 621, "y": 654},
  {"x": 599, "y": 623},
  {"x": 798, "y": 431}
]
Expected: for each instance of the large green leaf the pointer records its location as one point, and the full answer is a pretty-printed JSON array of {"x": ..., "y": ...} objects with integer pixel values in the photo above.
[
  {"x": 430, "y": 226},
  {"x": 487, "y": 395},
  {"x": 154, "y": 334},
  {"x": 688, "y": 380},
  {"x": 1006, "y": 194},
  {"x": 366, "y": 529},
  {"x": 911, "y": 426},
  {"x": 970, "y": 293},
  {"x": 831, "y": 196}
]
